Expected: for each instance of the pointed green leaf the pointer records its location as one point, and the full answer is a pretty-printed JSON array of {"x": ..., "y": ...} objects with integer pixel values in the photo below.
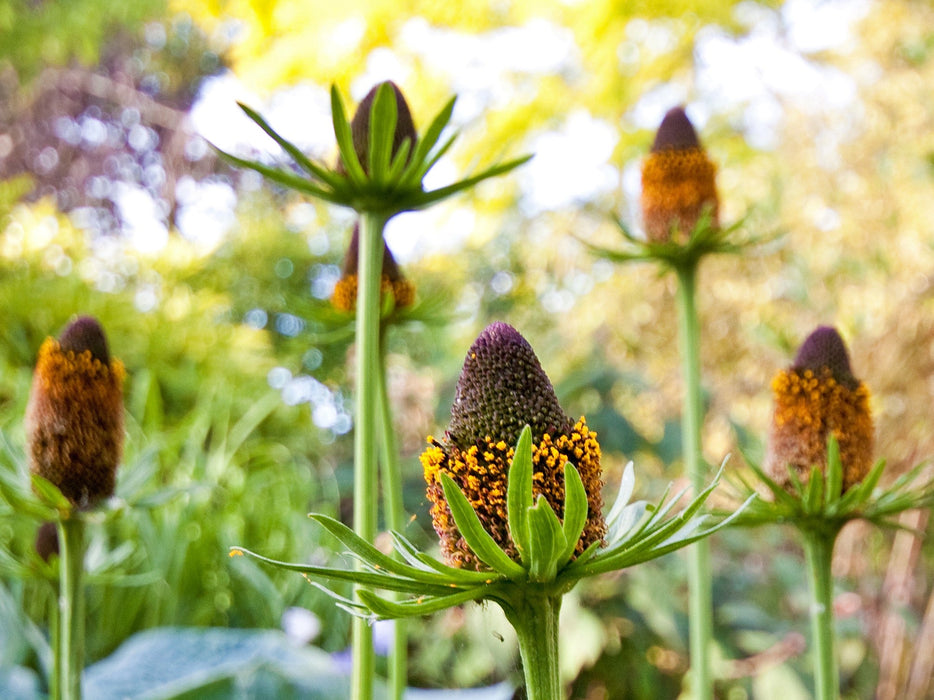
[
  {"x": 383, "y": 118},
  {"x": 385, "y": 581},
  {"x": 345, "y": 139},
  {"x": 814, "y": 491},
  {"x": 433, "y": 158},
  {"x": 286, "y": 179},
  {"x": 435, "y": 196},
  {"x": 372, "y": 556},
  {"x": 546, "y": 541},
  {"x": 575, "y": 512},
  {"x": 463, "y": 576},
  {"x": 49, "y": 493},
  {"x": 478, "y": 539},
  {"x": 519, "y": 493},
  {"x": 432, "y": 134},
  {"x": 834, "y": 471},
  {"x": 420, "y": 606},
  {"x": 399, "y": 161},
  {"x": 331, "y": 178}
]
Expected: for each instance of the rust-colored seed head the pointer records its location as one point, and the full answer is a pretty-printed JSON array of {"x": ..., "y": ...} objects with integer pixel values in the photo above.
[
  {"x": 678, "y": 181},
  {"x": 814, "y": 398},
  {"x": 503, "y": 388},
  {"x": 360, "y": 126},
  {"x": 344, "y": 297},
  {"x": 74, "y": 420}
]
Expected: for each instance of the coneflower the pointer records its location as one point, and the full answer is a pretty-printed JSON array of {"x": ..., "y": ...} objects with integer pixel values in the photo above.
[
  {"x": 74, "y": 420},
  {"x": 344, "y": 297},
  {"x": 678, "y": 182},
  {"x": 360, "y": 126},
  {"x": 501, "y": 389},
  {"x": 816, "y": 397}
]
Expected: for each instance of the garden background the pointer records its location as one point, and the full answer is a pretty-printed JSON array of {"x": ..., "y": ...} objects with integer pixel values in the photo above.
[{"x": 213, "y": 288}]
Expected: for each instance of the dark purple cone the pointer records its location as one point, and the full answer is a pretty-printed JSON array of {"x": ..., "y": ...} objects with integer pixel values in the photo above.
[
  {"x": 675, "y": 132},
  {"x": 825, "y": 348},
  {"x": 360, "y": 125},
  {"x": 85, "y": 333},
  {"x": 501, "y": 389}
]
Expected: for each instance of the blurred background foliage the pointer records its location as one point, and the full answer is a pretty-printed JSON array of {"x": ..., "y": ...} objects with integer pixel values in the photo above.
[{"x": 213, "y": 286}]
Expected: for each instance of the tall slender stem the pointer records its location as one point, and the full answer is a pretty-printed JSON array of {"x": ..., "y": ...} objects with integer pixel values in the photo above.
[
  {"x": 70, "y": 636},
  {"x": 535, "y": 620},
  {"x": 366, "y": 471},
  {"x": 699, "y": 579},
  {"x": 818, "y": 552},
  {"x": 395, "y": 520}
]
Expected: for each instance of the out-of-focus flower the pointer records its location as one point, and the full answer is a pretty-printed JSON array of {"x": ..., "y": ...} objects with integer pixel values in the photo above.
[
  {"x": 678, "y": 182},
  {"x": 74, "y": 420},
  {"x": 501, "y": 389},
  {"x": 344, "y": 297},
  {"x": 47, "y": 541},
  {"x": 816, "y": 397}
]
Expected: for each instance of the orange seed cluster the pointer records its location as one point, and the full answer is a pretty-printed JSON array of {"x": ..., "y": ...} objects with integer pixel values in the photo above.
[{"x": 677, "y": 184}]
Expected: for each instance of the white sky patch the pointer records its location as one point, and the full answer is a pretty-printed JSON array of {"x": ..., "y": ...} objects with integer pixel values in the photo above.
[
  {"x": 143, "y": 227},
  {"x": 206, "y": 210},
  {"x": 570, "y": 164}
]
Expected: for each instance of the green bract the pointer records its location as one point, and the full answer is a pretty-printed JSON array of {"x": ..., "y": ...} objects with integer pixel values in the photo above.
[
  {"x": 637, "y": 532},
  {"x": 818, "y": 505},
  {"x": 390, "y": 183},
  {"x": 705, "y": 239}
]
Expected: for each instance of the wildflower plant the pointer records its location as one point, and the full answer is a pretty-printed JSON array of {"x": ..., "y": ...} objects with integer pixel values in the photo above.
[
  {"x": 515, "y": 487},
  {"x": 381, "y": 165},
  {"x": 681, "y": 216},
  {"x": 819, "y": 475},
  {"x": 74, "y": 431}
]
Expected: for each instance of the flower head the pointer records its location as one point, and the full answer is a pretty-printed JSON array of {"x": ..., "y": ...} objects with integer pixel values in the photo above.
[
  {"x": 678, "y": 181},
  {"x": 360, "y": 126},
  {"x": 344, "y": 297},
  {"x": 74, "y": 420},
  {"x": 501, "y": 389},
  {"x": 816, "y": 397}
]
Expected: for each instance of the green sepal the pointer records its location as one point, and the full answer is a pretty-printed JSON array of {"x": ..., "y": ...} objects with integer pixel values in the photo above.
[
  {"x": 546, "y": 541},
  {"x": 50, "y": 494},
  {"x": 344, "y": 138},
  {"x": 411, "y": 554},
  {"x": 422, "y": 605},
  {"x": 476, "y": 537},
  {"x": 575, "y": 512},
  {"x": 834, "y": 472},
  {"x": 415, "y": 170},
  {"x": 383, "y": 116},
  {"x": 285, "y": 178},
  {"x": 519, "y": 494}
]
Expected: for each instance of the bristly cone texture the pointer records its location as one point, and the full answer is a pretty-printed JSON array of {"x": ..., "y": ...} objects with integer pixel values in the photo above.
[
  {"x": 678, "y": 181},
  {"x": 814, "y": 398},
  {"x": 501, "y": 389},
  {"x": 360, "y": 126},
  {"x": 344, "y": 297},
  {"x": 74, "y": 420}
]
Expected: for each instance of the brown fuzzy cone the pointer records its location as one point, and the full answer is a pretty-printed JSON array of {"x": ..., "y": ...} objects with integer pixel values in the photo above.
[
  {"x": 814, "y": 398},
  {"x": 74, "y": 420},
  {"x": 678, "y": 181}
]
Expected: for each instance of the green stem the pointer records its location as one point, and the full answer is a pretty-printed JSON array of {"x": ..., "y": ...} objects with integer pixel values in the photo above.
[
  {"x": 366, "y": 472},
  {"x": 395, "y": 520},
  {"x": 70, "y": 635},
  {"x": 818, "y": 551},
  {"x": 536, "y": 623},
  {"x": 699, "y": 579}
]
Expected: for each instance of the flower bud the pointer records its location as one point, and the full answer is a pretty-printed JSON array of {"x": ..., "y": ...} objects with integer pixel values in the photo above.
[
  {"x": 360, "y": 126},
  {"x": 501, "y": 389},
  {"x": 344, "y": 297},
  {"x": 816, "y": 397},
  {"x": 74, "y": 420},
  {"x": 47, "y": 541},
  {"x": 678, "y": 181}
]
